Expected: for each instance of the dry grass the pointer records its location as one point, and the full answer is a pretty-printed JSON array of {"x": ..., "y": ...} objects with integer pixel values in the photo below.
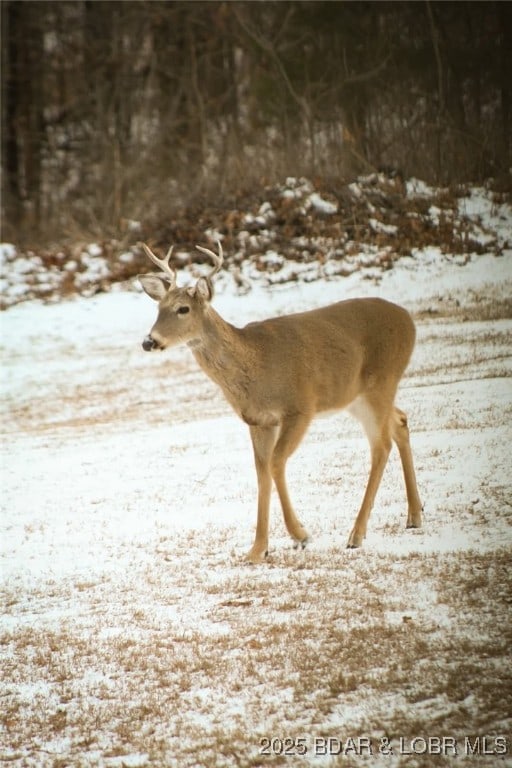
[{"x": 338, "y": 645}]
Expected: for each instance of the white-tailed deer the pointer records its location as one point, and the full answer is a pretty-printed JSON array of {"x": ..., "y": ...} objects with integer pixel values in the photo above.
[{"x": 278, "y": 373}]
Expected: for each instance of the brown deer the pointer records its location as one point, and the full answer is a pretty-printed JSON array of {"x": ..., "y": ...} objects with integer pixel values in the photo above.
[{"x": 279, "y": 373}]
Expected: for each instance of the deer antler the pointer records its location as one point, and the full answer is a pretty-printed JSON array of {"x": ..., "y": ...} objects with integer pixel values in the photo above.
[
  {"x": 218, "y": 259},
  {"x": 163, "y": 264}
]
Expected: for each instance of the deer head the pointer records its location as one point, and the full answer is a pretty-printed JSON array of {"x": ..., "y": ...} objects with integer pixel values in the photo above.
[{"x": 180, "y": 310}]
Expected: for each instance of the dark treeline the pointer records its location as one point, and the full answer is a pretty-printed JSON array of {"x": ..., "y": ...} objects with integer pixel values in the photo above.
[{"x": 114, "y": 111}]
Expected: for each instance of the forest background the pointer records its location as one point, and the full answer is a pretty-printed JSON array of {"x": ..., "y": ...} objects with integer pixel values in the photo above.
[{"x": 121, "y": 112}]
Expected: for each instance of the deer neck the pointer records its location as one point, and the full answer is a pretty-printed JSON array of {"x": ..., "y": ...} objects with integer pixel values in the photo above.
[{"x": 224, "y": 357}]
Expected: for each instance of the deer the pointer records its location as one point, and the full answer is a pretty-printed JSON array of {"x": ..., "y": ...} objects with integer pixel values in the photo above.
[{"x": 279, "y": 373}]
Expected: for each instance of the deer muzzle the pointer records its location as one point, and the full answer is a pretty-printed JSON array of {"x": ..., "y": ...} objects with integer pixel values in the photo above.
[{"x": 149, "y": 343}]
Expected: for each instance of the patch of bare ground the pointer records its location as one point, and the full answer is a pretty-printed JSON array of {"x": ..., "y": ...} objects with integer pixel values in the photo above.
[
  {"x": 475, "y": 308},
  {"x": 476, "y": 339}
]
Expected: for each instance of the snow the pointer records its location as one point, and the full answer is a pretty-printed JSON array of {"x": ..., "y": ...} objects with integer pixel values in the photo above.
[
  {"x": 378, "y": 226},
  {"x": 418, "y": 188},
  {"x": 128, "y": 501},
  {"x": 321, "y": 205}
]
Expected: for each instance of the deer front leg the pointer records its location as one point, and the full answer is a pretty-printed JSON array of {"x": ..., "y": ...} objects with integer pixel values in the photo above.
[
  {"x": 263, "y": 441},
  {"x": 292, "y": 432}
]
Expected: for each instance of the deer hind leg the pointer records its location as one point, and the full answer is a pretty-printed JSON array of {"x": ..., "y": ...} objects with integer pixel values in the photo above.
[
  {"x": 263, "y": 442},
  {"x": 378, "y": 430},
  {"x": 400, "y": 435},
  {"x": 292, "y": 432}
]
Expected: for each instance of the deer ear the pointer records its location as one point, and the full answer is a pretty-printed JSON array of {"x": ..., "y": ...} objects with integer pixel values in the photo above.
[
  {"x": 202, "y": 289},
  {"x": 155, "y": 287}
]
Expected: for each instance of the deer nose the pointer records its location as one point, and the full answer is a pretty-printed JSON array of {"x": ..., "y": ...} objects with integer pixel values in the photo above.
[{"x": 149, "y": 343}]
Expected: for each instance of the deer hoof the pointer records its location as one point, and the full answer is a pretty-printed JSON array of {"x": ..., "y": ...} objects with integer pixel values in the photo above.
[
  {"x": 355, "y": 540},
  {"x": 255, "y": 557},
  {"x": 414, "y": 520},
  {"x": 301, "y": 544}
]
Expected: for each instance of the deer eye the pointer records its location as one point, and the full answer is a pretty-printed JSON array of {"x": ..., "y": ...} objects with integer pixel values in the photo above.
[{"x": 183, "y": 310}]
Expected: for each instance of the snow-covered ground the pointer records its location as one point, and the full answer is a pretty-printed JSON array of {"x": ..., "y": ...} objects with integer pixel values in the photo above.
[{"x": 132, "y": 632}]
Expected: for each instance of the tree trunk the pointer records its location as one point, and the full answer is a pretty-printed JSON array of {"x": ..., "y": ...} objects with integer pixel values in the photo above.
[{"x": 11, "y": 191}]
